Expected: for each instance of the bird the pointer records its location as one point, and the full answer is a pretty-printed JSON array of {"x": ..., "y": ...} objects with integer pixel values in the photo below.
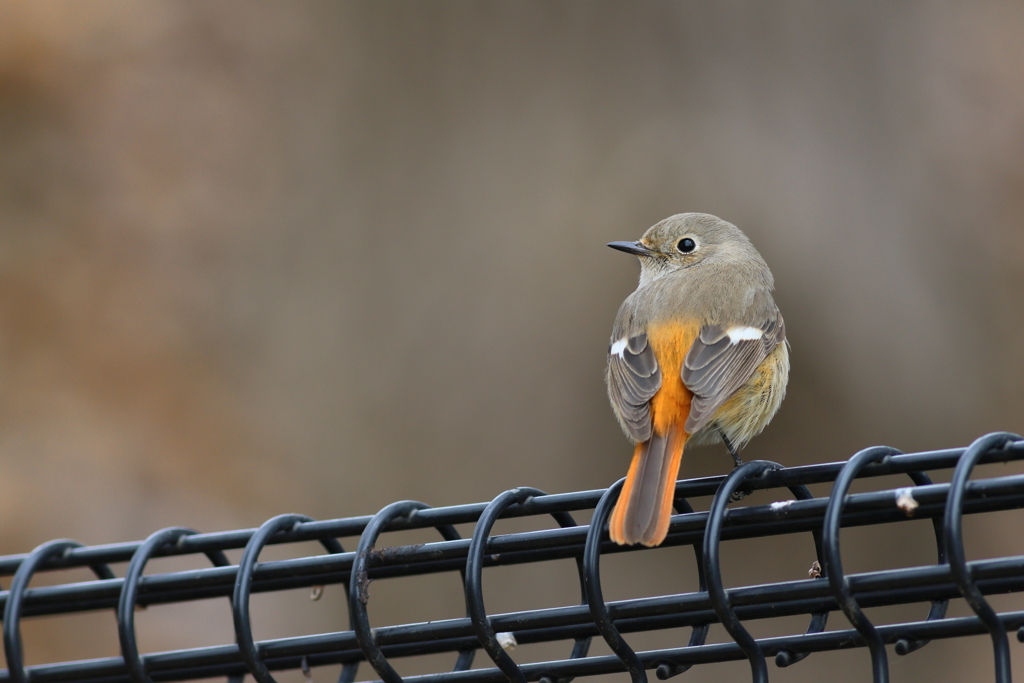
[{"x": 698, "y": 355}]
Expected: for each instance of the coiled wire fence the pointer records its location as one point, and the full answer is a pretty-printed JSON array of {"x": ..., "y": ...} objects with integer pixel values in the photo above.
[{"x": 828, "y": 589}]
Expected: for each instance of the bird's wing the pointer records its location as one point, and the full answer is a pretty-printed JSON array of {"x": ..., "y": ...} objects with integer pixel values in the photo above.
[
  {"x": 633, "y": 378},
  {"x": 721, "y": 360}
]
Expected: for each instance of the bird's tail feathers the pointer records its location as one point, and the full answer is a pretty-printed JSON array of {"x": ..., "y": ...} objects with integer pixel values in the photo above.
[{"x": 645, "y": 504}]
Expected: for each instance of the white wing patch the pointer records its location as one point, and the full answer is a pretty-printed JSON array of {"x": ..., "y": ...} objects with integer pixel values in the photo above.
[
  {"x": 743, "y": 333},
  {"x": 618, "y": 347}
]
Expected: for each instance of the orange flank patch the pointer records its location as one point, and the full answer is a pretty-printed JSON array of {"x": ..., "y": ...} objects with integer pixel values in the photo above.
[{"x": 670, "y": 343}]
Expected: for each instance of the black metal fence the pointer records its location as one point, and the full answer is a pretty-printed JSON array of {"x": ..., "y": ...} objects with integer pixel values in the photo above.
[{"x": 827, "y": 590}]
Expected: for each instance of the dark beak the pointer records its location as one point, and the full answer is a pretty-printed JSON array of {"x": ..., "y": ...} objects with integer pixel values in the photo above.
[{"x": 636, "y": 248}]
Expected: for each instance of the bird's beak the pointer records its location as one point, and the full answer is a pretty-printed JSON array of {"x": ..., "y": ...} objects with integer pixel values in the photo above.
[{"x": 636, "y": 248}]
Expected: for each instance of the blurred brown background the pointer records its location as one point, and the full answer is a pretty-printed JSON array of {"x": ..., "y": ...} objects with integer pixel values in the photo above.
[{"x": 319, "y": 256}]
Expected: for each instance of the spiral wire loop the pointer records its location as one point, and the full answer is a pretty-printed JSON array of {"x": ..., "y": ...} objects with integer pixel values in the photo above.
[
  {"x": 592, "y": 585},
  {"x": 943, "y": 504},
  {"x": 359, "y": 594},
  {"x": 713, "y": 567},
  {"x": 699, "y": 635},
  {"x": 474, "y": 583},
  {"x": 962, "y": 573},
  {"x": 905, "y": 645},
  {"x": 127, "y": 602},
  {"x": 12, "y": 610},
  {"x": 243, "y": 587},
  {"x": 833, "y": 561},
  {"x": 819, "y": 620}
]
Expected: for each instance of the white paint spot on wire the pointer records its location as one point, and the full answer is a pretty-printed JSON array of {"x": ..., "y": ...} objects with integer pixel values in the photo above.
[{"x": 905, "y": 501}]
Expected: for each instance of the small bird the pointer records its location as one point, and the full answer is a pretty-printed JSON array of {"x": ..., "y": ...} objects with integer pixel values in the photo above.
[{"x": 698, "y": 355}]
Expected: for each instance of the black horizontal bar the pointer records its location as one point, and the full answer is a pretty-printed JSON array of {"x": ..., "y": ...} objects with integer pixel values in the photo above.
[
  {"x": 548, "y": 544},
  {"x": 874, "y": 589},
  {"x": 541, "y": 505},
  {"x": 923, "y": 584},
  {"x": 721, "y": 652}
]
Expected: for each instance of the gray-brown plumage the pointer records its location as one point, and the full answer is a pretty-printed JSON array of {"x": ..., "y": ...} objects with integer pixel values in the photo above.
[{"x": 697, "y": 354}]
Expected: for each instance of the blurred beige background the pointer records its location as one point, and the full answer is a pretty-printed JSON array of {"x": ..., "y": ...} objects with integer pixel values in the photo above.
[{"x": 319, "y": 256}]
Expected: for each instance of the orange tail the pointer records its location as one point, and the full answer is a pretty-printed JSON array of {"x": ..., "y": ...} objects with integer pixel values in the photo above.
[{"x": 645, "y": 504}]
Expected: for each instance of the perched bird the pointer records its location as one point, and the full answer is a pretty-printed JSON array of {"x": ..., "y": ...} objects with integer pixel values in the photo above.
[{"x": 698, "y": 354}]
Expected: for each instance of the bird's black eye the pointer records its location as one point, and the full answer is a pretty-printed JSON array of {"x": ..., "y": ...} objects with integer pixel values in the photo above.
[{"x": 686, "y": 245}]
